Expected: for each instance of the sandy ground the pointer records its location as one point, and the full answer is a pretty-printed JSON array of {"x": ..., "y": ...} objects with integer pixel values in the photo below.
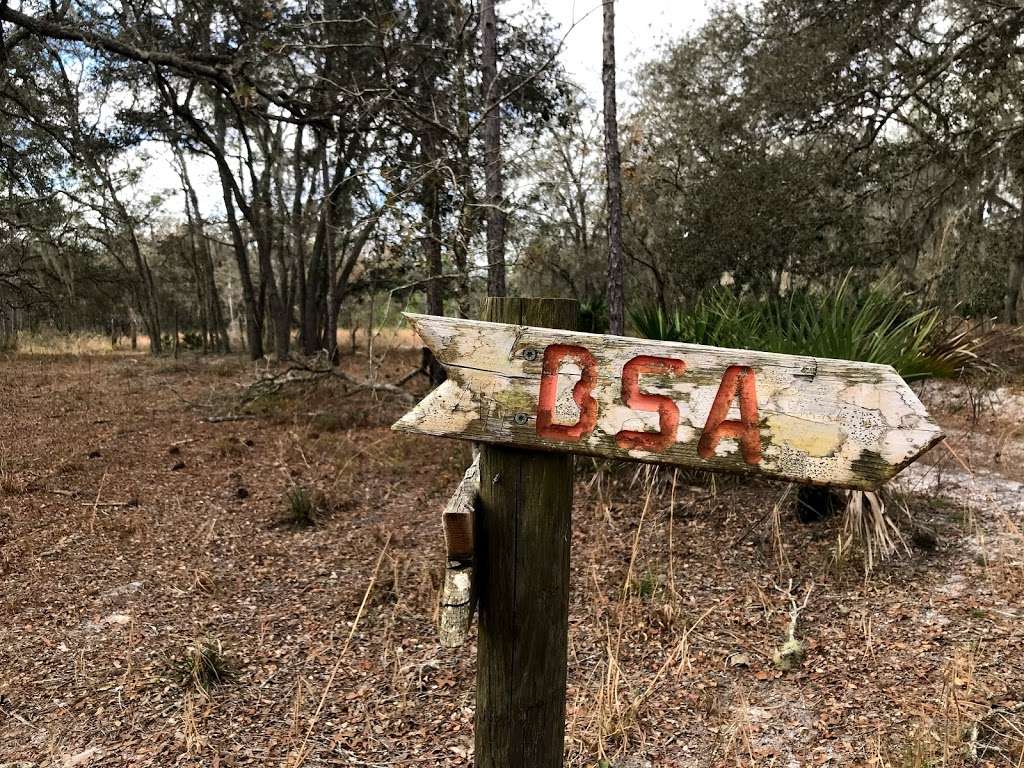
[{"x": 133, "y": 525}]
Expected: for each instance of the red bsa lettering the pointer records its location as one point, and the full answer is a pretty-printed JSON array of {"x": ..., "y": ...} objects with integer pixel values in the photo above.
[
  {"x": 667, "y": 410},
  {"x": 738, "y": 382},
  {"x": 554, "y": 356}
]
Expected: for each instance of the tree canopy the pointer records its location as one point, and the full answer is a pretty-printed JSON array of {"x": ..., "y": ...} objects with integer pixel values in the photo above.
[{"x": 784, "y": 142}]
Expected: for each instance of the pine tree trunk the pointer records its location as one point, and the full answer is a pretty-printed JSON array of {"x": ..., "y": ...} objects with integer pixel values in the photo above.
[
  {"x": 432, "y": 247},
  {"x": 1013, "y": 289},
  {"x": 616, "y": 288},
  {"x": 174, "y": 343},
  {"x": 468, "y": 210},
  {"x": 492, "y": 152},
  {"x": 8, "y": 329},
  {"x": 435, "y": 287},
  {"x": 331, "y": 300},
  {"x": 147, "y": 302}
]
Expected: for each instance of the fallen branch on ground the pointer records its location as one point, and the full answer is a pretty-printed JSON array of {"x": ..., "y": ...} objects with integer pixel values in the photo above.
[{"x": 300, "y": 372}]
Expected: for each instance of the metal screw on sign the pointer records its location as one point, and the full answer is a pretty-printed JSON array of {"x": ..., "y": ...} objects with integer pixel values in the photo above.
[
  {"x": 521, "y": 419},
  {"x": 530, "y": 355}
]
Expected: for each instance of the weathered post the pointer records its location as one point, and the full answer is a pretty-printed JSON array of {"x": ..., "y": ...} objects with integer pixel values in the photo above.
[
  {"x": 533, "y": 392},
  {"x": 522, "y": 544}
]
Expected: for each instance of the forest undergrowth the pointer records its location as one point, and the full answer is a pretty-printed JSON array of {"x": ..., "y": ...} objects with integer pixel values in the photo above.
[{"x": 162, "y": 606}]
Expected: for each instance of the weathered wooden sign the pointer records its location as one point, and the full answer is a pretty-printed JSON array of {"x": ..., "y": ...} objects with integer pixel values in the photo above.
[{"x": 811, "y": 420}]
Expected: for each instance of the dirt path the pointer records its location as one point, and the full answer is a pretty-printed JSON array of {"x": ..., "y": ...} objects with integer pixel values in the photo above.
[{"x": 130, "y": 528}]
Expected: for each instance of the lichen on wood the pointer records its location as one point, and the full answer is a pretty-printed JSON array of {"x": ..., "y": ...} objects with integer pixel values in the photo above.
[{"x": 812, "y": 420}]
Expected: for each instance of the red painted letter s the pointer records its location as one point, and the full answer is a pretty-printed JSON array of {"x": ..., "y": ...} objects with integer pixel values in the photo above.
[{"x": 668, "y": 411}]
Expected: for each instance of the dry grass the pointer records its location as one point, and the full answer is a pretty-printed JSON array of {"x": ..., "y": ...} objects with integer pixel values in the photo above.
[
  {"x": 48, "y": 342},
  {"x": 10, "y": 483},
  {"x": 201, "y": 666},
  {"x": 868, "y": 527},
  {"x": 674, "y": 611},
  {"x": 301, "y": 754},
  {"x": 401, "y": 338},
  {"x": 961, "y": 729},
  {"x": 190, "y": 724},
  {"x": 81, "y": 343},
  {"x": 739, "y": 734}
]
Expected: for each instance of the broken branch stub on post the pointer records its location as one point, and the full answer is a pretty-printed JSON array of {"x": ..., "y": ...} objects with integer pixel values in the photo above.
[
  {"x": 458, "y": 594},
  {"x": 457, "y": 603},
  {"x": 810, "y": 420},
  {"x": 457, "y": 517}
]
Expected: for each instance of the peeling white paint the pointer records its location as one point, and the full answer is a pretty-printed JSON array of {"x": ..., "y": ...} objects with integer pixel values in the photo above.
[
  {"x": 822, "y": 421},
  {"x": 727, "y": 446}
]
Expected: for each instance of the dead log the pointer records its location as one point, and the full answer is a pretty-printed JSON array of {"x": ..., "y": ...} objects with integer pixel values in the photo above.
[
  {"x": 458, "y": 595},
  {"x": 308, "y": 372}
]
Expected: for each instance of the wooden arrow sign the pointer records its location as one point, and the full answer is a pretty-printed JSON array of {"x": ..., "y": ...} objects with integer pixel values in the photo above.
[{"x": 812, "y": 420}]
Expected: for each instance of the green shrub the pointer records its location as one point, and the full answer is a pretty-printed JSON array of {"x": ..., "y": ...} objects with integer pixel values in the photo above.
[
  {"x": 304, "y": 508},
  {"x": 877, "y": 324},
  {"x": 192, "y": 340},
  {"x": 719, "y": 319},
  {"x": 646, "y": 585},
  {"x": 592, "y": 316},
  {"x": 652, "y": 322}
]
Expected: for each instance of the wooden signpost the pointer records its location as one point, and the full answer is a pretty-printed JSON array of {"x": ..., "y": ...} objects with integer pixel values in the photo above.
[
  {"x": 534, "y": 393},
  {"x": 811, "y": 420}
]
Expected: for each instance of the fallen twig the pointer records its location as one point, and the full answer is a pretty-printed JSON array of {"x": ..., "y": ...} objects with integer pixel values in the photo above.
[
  {"x": 420, "y": 371},
  {"x": 304, "y": 373}
]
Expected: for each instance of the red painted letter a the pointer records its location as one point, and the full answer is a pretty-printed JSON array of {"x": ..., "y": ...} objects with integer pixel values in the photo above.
[{"x": 738, "y": 382}]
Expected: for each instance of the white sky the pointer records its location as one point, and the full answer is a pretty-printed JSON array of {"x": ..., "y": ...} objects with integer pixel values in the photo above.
[{"x": 641, "y": 27}]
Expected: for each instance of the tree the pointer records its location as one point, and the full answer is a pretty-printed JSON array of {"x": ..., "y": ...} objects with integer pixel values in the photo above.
[
  {"x": 795, "y": 141},
  {"x": 563, "y": 251},
  {"x": 1013, "y": 284},
  {"x": 492, "y": 152},
  {"x": 334, "y": 131},
  {"x": 613, "y": 170}
]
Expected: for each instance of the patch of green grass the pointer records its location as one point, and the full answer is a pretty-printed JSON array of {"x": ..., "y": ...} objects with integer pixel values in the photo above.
[
  {"x": 646, "y": 585},
  {"x": 304, "y": 507},
  {"x": 202, "y": 665}
]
